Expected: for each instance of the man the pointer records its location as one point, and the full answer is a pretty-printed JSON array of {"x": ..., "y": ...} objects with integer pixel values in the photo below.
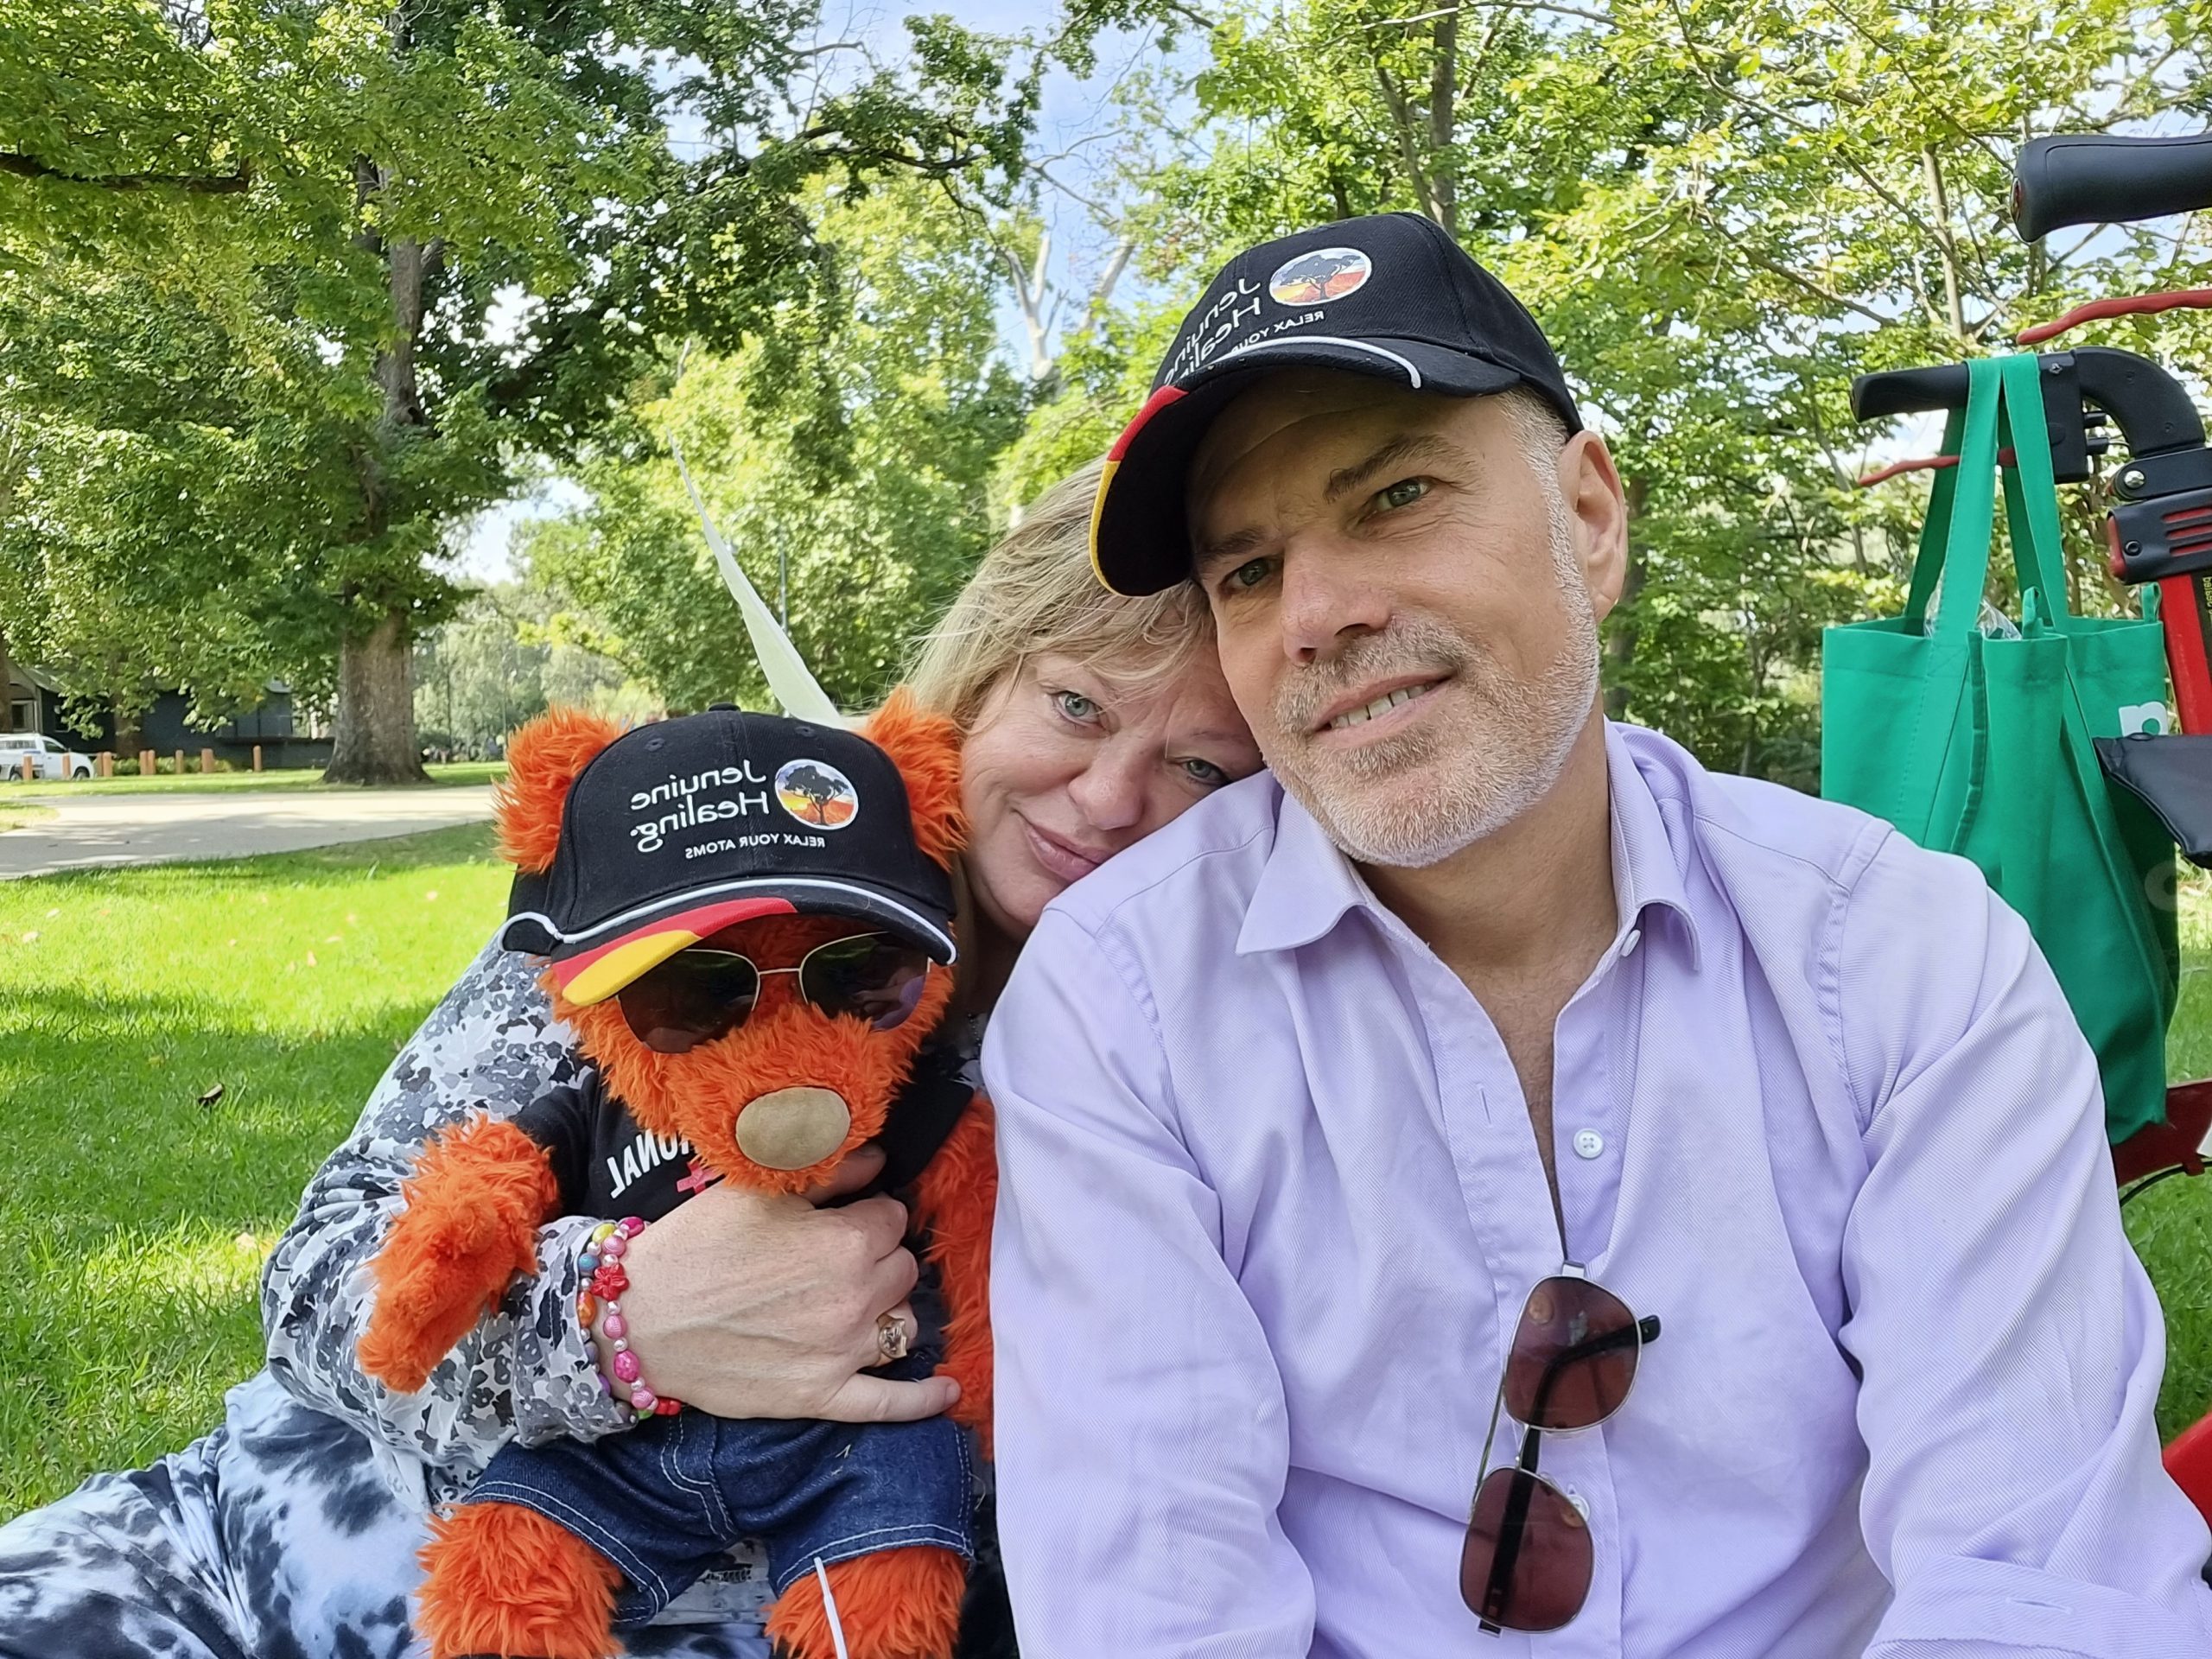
[{"x": 1312, "y": 1104}]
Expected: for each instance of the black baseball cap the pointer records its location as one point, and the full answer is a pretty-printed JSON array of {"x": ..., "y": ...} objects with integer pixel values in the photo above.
[
  {"x": 1390, "y": 294},
  {"x": 677, "y": 829}
]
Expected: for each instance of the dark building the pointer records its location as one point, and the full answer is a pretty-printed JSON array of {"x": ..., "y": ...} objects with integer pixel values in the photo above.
[{"x": 166, "y": 727}]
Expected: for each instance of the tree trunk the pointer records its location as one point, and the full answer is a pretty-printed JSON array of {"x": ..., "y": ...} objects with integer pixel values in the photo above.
[
  {"x": 129, "y": 735},
  {"x": 372, "y": 728},
  {"x": 1443, "y": 92},
  {"x": 373, "y": 733},
  {"x": 1947, "y": 246}
]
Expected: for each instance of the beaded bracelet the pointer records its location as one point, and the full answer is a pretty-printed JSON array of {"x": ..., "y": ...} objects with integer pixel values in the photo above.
[{"x": 601, "y": 1303}]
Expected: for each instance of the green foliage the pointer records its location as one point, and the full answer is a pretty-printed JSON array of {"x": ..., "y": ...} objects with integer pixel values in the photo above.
[
  {"x": 1719, "y": 213},
  {"x": 180, "y": 498},
  {"x": 496, "y": 664},
  {"x": 848, "y": 465},
  {"x": 386, "y": 252}
]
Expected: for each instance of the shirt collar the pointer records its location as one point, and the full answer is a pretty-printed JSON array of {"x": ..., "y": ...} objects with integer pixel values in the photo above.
[
  {"x": 1651, "y": 844},
  {"x": 1307, "y": 884}
]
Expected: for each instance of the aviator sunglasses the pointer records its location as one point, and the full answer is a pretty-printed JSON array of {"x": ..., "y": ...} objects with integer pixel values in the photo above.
[
  {"x": 1527, "y": 1561},
  {"x": 703, "y": 993}
]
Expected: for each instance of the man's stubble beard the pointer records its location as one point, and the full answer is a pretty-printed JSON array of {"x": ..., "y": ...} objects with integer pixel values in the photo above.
[{"x": 1411, "y": 801}]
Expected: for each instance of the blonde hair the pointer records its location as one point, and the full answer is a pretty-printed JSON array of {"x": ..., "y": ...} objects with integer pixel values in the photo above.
[{"x": 1035, "y": 592}]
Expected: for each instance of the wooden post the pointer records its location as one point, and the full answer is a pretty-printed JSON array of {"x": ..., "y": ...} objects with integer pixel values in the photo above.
[
  {"x": 206, "y": 762},
  {"x": 104, "y": 764},
  {"x": 29, "y": 770},
  {"x": 147, "y": 765},
  {"x": 257, "y": 757},
  {"x": 180, "y": 763}
]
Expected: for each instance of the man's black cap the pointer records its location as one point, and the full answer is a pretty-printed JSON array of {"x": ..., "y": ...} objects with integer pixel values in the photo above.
[
  {"x": 680, "y": 828},
  {"x": 1391, "y": 295}
]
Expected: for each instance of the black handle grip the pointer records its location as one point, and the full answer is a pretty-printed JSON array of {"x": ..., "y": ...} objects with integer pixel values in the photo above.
[
  {"x": 2089, "y": 178},
  {"x": 1901, "y": 392}
]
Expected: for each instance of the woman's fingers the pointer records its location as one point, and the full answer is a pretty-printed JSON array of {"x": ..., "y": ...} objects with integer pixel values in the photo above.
[
  {"x": 881, "y": 1222},
  {"x": 910, "y": 1329},
  {"x": 891, "y": 1281},
  {"x": 861, "y": 1166},
  {"x": 865, "y": 1399}
]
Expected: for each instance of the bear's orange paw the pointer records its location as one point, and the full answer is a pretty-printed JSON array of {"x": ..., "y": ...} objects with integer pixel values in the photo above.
[
  {"x": 503, "y": 1580},
  {"x": 896, "y": 1603}
]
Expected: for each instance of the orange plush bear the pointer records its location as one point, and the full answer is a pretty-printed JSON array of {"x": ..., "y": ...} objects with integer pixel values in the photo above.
[{"x": 747, "y": 922}]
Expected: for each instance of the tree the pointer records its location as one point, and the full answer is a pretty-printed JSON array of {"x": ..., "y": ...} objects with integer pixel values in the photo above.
[
  {"x": 814, "y": 786},
  {"x": 848, "y": 465},
  {"x": 1719, "y": 213},
  {"x": 494, "y": 664},
  {"x": 387, "y": 183}
]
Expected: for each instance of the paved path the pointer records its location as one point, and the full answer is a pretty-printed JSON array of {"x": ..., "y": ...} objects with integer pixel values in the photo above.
[{"x": 158, "y": 829}]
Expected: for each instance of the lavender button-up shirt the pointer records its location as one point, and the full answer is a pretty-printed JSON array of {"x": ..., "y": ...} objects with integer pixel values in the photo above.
[{"x": 1271, "y": 1204}]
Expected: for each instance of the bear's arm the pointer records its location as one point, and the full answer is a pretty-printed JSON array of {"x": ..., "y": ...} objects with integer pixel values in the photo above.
[{"x": 527, "y": 1371}]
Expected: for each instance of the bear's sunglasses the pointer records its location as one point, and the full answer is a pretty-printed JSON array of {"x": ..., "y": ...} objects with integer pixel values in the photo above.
[
  {"x": 1527, "y": 1560},
  {"x": 701, "y": 994}
]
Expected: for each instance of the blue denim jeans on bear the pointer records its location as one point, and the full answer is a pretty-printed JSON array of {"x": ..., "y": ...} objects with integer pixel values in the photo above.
[{"x": 665, "y": 1500}]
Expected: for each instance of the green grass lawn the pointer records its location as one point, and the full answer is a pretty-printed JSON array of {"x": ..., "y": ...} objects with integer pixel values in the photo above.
[
  {"x": 138, "y": 1217},
  {"x": 455, "y": 772},
  {"x": 15, "y": 816}
]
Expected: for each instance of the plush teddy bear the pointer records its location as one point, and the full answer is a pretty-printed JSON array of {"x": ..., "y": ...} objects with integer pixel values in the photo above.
[{"x": 747, "y": 922}]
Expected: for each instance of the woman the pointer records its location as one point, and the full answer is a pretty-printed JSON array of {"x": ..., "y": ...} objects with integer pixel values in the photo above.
[{"x": 1090, "y": 720}]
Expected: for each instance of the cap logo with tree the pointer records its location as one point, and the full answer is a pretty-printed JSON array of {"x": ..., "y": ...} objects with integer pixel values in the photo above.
[
  {"x": 1324, "y": 274},
  {"x": 816, "y": 792}
]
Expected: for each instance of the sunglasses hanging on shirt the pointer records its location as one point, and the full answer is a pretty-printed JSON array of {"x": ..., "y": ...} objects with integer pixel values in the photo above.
[{"x": 1527, "y": 1561}]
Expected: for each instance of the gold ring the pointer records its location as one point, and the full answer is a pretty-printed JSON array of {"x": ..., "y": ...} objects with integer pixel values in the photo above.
[{"x": 891, "y": 1336}]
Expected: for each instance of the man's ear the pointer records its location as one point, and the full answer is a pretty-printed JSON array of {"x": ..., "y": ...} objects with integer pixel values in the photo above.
[
  {"x": 543, "y": 760},
  {"x": 925, "y": 747},
  {"x": 1597, "y": 506}
]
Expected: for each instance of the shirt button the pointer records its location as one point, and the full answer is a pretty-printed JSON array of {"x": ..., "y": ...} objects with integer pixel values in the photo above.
[
  {"x": 1581, "y": 1503},
  {"x": 1635, "y": 938},
  {"x": 1588, "y": 1143}
]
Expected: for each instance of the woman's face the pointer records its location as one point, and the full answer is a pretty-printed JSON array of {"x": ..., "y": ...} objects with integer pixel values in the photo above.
[{"x": 1064, "y": 769}]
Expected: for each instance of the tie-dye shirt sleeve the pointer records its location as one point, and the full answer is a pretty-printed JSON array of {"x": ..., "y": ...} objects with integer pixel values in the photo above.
[{"x": 492, "y": 1045}]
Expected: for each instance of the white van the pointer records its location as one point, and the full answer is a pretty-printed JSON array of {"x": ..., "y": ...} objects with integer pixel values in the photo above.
[{"x": 48, "y": 757}]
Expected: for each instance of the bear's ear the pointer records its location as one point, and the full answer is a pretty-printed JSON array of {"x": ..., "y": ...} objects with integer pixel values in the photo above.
[
  {"x": 542, "y": 760},
  {"x": 925, "y": 747}
]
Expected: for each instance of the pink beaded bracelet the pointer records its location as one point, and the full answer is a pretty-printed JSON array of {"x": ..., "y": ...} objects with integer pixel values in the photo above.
[{"x": 603, "y": 1261}]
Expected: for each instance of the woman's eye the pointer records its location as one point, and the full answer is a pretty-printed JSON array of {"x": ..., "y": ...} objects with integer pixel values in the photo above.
[
  {"x": 1403, "y": 494},
  {"x": 1077, "y": 707},
  {"x": 1206, "y": 773}
]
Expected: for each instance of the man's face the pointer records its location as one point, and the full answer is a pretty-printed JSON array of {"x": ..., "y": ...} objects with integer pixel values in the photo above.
[{"x": 1407, "y": 608}]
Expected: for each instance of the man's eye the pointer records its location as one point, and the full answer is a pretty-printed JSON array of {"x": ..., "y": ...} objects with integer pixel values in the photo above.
[
  {"x": 1077, "y": 707},
  {"x": 1250, "y": 574},
  {"x": 1403, "y": 494},
  {"x": 1205, "y": 772}
]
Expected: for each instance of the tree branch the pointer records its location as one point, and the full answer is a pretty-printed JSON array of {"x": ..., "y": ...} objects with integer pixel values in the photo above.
[
  {"x": 30, "y": 167},
  {"x": 1501, "y": 5},
  {"x": 1401, "y": 117},
  {"x": 1776, "y": 269}
]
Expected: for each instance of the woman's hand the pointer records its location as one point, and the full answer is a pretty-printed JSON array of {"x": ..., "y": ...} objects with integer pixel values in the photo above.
[{"x": 748, "y": 1305}]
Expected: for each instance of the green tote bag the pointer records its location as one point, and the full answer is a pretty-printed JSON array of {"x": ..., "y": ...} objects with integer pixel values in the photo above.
[{"x": 1980, "y": 745}]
